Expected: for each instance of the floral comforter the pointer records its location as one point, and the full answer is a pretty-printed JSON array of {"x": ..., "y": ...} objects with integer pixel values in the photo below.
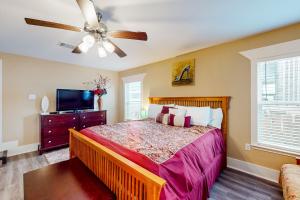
[{"x": 189, "y": 159}]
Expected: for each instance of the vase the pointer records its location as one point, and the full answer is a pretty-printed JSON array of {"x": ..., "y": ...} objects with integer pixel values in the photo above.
[
  {"x": 100, "y": 104},
  {"x": 45, "y": 104}
]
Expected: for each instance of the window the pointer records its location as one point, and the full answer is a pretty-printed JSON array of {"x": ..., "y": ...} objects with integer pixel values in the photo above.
[
  {"x": 133, "y": 96},
  {"x": 275, "y": 97},
  {"x": 278, "y": 104},
  {"x": 133, "y": 100}
]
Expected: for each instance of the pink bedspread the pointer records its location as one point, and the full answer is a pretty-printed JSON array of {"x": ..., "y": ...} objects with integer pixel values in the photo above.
[{"x": 189, "y": 159}]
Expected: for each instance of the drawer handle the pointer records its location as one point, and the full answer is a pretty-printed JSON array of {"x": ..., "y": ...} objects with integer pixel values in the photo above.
[
  {"x": 102, "y": 123},
  {"x": 74, "y": 127},
  {"x": 49, "y": 141},
  {"x": 50, "y": 131},
  {"x": 49, "y": 120},
  {"x": 83, "y": 117},
  {"x": 101, "y": 115},
  {"x": 74, "y": 118},
  {"x": 83, "y": 126}
]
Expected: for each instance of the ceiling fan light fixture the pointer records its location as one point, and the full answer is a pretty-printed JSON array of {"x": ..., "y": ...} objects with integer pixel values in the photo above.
[
  {"x": 101, "y": 52},
  {"x": 83, "y": 47},
  {"x": 89, "y": 40},
  {"x": 108, "y": 46}
]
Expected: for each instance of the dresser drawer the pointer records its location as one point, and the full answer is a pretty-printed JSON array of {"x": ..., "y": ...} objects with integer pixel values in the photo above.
[
  {"x": 59, "y": 120},
  {"x": 50, "y": 131},
  {"x": 55, "y": 141},
  {"x": 91, "y": 123},
  {"x": 93, "y": 116}
]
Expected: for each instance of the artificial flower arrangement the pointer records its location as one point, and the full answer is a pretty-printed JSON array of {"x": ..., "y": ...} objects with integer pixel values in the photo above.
[{"x": 100, "y": 86}]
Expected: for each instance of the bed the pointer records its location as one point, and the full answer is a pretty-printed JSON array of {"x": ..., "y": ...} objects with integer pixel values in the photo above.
[{"x": 175, "y": 168}]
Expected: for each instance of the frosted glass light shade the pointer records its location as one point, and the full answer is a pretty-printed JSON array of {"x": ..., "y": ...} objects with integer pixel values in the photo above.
[
  {"x": 89, "y": 40},
  {"x": 83, "y": 47},
  {"x": 108, "y": 46},
  {"x": 101, "y": 52}
]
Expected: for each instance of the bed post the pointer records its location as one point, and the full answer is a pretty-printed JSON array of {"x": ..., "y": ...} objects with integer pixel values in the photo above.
[{"x": 225, "y": 107}]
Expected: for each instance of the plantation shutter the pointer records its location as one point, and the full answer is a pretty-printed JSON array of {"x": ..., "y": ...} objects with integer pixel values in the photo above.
[{"x": 278, "y": 104}]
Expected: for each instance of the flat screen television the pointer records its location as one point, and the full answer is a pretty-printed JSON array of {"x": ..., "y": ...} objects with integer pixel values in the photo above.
[{"x": 72, "y": 100}]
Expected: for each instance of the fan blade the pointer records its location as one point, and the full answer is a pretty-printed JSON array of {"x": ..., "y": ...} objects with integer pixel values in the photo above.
[
  {"x": 77, "y": 50},
  {"x": 118, "y": 51},
  {"x": 37, "y": 22},
  {"x": 88, "y": 10},
  {"x": 129, "y": 35}
]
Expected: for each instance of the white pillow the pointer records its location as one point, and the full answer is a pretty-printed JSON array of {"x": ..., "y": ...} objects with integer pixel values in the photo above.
[
  {"x": 177, "y": 111},
  {"x": 170, "y": 105},
  {"x": 216, "y": 118},
  {"x": 199, "y": 115},
  {"x": 154, "y": 109}
]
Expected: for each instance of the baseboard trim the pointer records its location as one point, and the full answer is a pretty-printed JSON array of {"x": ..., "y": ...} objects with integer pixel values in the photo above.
[
  {"x": 8, "y": 145},
  {"x": 22, "y": 149},
  {"x": 253, "y": 169}
]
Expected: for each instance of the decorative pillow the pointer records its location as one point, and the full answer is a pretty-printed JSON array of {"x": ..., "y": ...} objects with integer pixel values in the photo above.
[
  {"x": 162, "y": 118},
  {"x": 165, "y": 109},
  {"x": 153, "y": 110},
  {"x": 180, "y": 120},
  {"x": 199, "y": 115},
  {"x": 216, "y": 118},
  {"x": 177, "y": 111}
]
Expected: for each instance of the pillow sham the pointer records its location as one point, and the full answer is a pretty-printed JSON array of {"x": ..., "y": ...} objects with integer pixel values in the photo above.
[
  {"x": 180, "y": 120},
  {"x": 154, "y": 110},
  {"x": 165, "y": 109},
  {"x": 216, "y": 118},
  {"x": 162, "y": 118},
  {"x": 177, "y": 111},
  {"x": 199, "y": 115}
]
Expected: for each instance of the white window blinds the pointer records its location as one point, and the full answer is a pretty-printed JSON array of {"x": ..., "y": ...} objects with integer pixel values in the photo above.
[
  {"x": 278, "y": 104},
  {"x": 133, "y": 100}
]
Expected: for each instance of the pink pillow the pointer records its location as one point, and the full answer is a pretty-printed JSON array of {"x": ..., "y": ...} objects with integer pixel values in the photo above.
[
  {"x": 179, "y": 120},
  {"x": 165, "y": 109}
]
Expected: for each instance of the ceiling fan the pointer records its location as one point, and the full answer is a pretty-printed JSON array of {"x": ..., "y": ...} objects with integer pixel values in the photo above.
[{"x": 97, "y": 32}]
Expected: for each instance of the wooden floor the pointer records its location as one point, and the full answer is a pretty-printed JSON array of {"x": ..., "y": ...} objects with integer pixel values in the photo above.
[{"x": 231, "y": 185}]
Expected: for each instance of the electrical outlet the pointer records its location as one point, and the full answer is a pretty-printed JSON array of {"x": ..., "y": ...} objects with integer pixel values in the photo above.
[
  {"x": 247, "y": 147},
  {"x": 32, "y": 97}
]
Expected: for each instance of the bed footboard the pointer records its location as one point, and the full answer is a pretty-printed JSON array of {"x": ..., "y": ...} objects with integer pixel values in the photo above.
[{"x": 125, "y": 178}]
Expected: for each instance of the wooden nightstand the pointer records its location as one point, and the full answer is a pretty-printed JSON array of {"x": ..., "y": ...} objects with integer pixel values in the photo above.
[{"x": 298, "y": 160}]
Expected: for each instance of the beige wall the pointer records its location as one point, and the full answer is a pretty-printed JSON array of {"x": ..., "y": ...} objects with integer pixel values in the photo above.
[
  {"x": 23, "y": 76},
  {"x": 220, "y": 70}
]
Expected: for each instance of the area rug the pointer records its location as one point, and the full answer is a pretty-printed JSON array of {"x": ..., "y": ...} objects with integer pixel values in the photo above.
[{"x": 57, "y": 156}]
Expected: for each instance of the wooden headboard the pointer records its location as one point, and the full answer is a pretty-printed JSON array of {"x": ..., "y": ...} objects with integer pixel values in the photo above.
[{"x": 213, "y": 102}]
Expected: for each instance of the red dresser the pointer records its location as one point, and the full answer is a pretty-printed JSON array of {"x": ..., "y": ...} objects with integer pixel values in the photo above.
[{"x": 54, "y": 127}]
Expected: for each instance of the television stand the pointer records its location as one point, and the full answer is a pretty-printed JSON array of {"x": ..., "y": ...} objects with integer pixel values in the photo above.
[{"x": 54, "y": 132}]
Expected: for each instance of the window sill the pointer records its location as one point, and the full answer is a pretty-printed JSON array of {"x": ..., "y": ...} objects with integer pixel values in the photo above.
[{"x": 276, "y": 151}]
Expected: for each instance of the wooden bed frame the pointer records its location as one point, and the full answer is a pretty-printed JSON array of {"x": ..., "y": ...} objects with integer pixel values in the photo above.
[{"x": 125, "y": 178}]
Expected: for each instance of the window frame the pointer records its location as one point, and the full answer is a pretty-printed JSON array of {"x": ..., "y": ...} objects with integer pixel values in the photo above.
[
  {"x": 273, "y": 52},
  {"x": 131, "y": 79}
]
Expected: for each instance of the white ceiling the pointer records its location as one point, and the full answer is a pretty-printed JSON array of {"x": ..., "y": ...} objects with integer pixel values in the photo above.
[{"x": 173, "y": 26}]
